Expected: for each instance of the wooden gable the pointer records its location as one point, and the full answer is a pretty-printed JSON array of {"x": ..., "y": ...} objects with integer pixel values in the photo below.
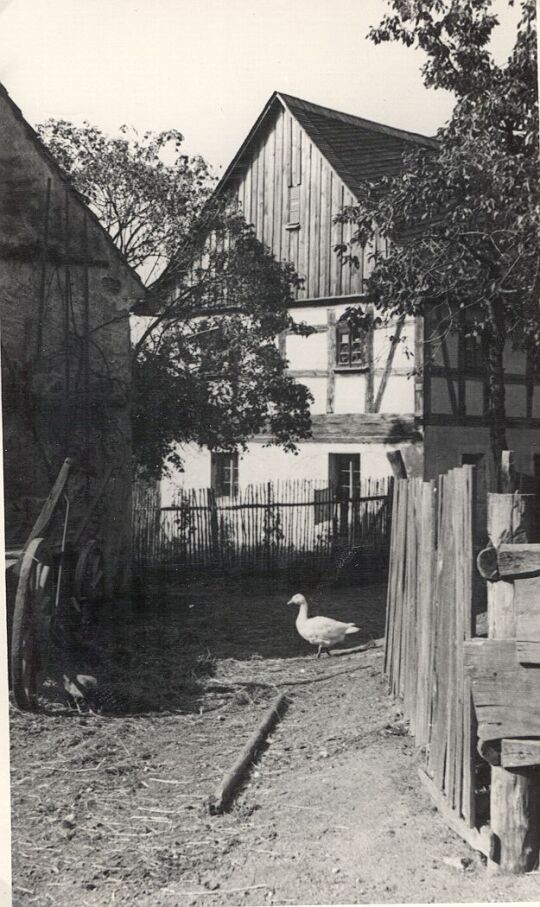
[{"x": 291, "y": 194}]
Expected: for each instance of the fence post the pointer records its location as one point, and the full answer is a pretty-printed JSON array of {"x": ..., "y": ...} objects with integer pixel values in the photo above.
[
  {"x": 214, "y": 526},
  {"x": 515, "y": 793}
]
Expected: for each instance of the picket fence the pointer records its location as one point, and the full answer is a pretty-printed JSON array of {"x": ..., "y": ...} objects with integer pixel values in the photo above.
[
  {"x": 429, "y": 615},
  {"x": 265, "y": 527}
]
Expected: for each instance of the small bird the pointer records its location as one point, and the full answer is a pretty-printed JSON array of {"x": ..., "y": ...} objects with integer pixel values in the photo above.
[{"x": 323, "y": 632}]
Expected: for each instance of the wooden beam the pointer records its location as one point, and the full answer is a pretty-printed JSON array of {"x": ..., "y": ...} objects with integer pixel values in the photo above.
[
  {"x": 527, "y": 605},
  {"x": 505, "y": 694},
  {"x": 419, "y": 365},
  {"x": 397, "y": 463},
  {"x": 520, "y": 753},
  {"x": 518, "y": 560},
  {"x": 456, "y": 409},
  {"x": 331, "y": 360},
  {"x": 225, "y": 791},
  {"x": 369, "y": 373},
  {"x": 506, "y": 698},
  {"x": 515, "y": 817},
  {"x": 508, "y": 472}
]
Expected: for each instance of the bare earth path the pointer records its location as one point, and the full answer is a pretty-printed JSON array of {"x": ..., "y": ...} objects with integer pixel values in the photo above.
[{"x": 111, "y": 809}]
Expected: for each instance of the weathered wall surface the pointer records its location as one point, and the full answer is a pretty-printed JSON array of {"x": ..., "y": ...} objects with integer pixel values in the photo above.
[{"x": 65, "y": 294}]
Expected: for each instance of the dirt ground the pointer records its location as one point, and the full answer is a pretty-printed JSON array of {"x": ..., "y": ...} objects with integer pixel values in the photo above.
[{"x": 112, "y": 808}]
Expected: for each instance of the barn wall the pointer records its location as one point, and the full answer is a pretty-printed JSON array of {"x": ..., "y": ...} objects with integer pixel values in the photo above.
[{"x": 44, "y": 409}]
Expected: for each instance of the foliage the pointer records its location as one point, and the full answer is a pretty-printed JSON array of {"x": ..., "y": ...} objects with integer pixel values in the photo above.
[
  {"x": 464, "y": 218},
  {"x": 144, "y": 189},
  {"x": 206, "y": 365}
]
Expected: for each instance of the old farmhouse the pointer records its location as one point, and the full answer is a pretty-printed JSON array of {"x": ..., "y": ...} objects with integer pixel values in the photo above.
[
  {"x": 66, "y": 293},
  {"x": 299, "y": 165}
]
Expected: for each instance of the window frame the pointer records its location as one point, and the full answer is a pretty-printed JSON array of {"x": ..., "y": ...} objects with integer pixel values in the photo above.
[
  {"x": 356, "y": 335},
  {"x": 223, "y": 485}
]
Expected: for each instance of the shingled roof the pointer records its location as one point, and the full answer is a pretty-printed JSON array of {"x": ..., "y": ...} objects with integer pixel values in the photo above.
[{"x": 356, "y": 148}]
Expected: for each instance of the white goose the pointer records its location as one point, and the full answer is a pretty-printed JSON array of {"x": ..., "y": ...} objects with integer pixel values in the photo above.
[{"x": 323, "y": 632}]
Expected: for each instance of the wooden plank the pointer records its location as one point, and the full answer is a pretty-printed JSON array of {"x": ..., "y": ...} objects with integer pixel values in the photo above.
[
  {"x": 391, "y": 588},
  {"x": 397, "y": 464},
  {"x": 468, "y": 799},
  {"x": 527, "y": 610},
  {"x": 331, "y": 360},
  {"x": 47, "y": 511},
  {"x": 450, "y": 604},
  {"x": 324, "y": 286},
  {"x": 520, "y": 753},
  {"x": 419, "y": 377},
  {"x": 505, "y": 694},
  {"x": 482, "y": 840},
  {"x": 518, "y": 559},
  {"x": 398, "y": 554},
  {"x": 401, "y": 578},
  {"x": 515, "y": 817},
  {"x": 528, "y": 652},
  {"x": 426, "y": 576},
  {"x": 369, "y": 360},
  {"x": 226, "y": 789},
  {"x": 444, "y": 597},
  {"x": 510, "y": 518}
]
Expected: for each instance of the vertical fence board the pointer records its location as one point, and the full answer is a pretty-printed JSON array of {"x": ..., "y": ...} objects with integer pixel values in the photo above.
[{"x": 429, "y": 615}]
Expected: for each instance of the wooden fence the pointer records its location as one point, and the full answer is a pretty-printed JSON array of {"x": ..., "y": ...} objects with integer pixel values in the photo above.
[
  {"x": 265, "y": 527},
  {"x": 472, "y": 703},
  {"x": 429, "y": 615}
]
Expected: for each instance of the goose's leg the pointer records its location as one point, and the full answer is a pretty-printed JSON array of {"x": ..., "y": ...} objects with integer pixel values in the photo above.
[
  {"x": 319, "y": 651},
  {"x": 328, "y": 652}
]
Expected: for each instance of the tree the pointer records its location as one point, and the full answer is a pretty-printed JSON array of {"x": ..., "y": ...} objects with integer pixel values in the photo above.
[
  {"x": 206, "y": 366},
  {"x": 144, "y": 189},
  {"x": 463, "y": 220}
]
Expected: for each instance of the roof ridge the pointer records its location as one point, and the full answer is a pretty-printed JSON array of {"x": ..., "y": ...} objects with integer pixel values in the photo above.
[{"x": 352, "y": 118}]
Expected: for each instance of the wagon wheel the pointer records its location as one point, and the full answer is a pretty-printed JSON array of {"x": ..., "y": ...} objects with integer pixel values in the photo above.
[
  {"x": 90, "y": 574},
  {"x": 33, "y": 611}
]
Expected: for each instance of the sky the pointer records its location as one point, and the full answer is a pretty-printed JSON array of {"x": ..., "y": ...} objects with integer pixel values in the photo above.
[{"x": 207, "y": 67}]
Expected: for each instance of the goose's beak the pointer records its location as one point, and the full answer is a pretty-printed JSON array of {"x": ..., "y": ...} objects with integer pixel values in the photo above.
[{"x": 290, "y": 602}]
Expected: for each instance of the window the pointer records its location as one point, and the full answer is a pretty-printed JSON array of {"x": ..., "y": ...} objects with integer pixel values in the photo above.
[
  {"x": 351, "y": 346},
  {"x": 224, "y": 474},
  {"x": 473, "y": 356},
  {"x": 344, "y": 475},
  {"x": 293, "y": 222}
]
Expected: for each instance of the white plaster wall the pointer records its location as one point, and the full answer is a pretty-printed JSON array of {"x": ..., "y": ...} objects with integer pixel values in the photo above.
[
  {"x": 398, "y": 396},
  {"x": 350, "y": 393},
  {"x": 317, "y": 386},
  {"x": 306, "y": 352},
  {"x": 270, "y": 464}
]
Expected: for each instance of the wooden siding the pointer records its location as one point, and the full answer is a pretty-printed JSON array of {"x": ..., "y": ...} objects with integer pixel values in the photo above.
[{"x": 291, "y": 195}]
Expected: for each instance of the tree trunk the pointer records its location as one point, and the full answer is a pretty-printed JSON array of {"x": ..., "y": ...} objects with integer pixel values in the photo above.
[{"x": 495, "y": 386}]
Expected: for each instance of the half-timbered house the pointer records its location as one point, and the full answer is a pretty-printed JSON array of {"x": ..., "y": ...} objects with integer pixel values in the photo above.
[{"x": 299, "y": 165}]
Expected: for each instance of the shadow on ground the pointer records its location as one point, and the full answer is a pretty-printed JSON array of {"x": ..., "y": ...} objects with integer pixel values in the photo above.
[{"x": 159, "y": 654}]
